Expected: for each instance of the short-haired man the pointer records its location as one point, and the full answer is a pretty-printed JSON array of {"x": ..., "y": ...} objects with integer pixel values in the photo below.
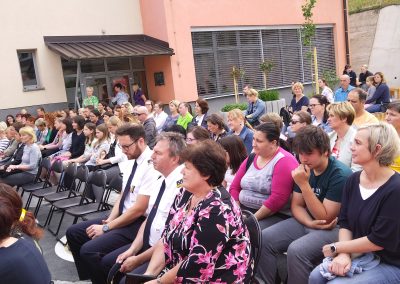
[
  {"x": 362, "y": 77},
  {"x": 357, "y": 98},
  {"x": 315, "y": 206},
  {"x": 345, "y": 88},
  {"x": 149, "y": 124},
  {"x": 86, "y": 112},
  {"x": 89, "y": 241},
  {"x": 166, "y": 159},
  {"x": 120, "y": 96}
]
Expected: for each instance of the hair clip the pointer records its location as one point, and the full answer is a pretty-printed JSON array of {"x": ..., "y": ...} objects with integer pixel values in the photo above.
[{"x": 22, "y": 216}]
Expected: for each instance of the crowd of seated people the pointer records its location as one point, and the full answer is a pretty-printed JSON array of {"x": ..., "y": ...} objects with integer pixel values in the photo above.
[{"x": 187, "y": 177}]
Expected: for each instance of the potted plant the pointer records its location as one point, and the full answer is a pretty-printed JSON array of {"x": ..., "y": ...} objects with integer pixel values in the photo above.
[
  {"x": 272, "y": 101},
  {"x": 228, "y": 107},
  {"x": 236, "y": 74}
]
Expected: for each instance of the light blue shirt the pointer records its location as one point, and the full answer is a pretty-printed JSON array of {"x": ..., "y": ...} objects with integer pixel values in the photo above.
[
  {"x": 341, "y": 95},
  {"x": 120, "y": 98}
]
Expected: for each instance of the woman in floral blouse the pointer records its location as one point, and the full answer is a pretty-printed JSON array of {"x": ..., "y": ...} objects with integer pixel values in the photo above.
[{"x": 205, "y": 240}]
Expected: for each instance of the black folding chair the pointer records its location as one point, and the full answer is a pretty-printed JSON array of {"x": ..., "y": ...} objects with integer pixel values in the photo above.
[
  {"x": 74, "y": 197},
  {"x": 57, "y": 167},
  {"x": 255, "y": 239},
  {"x": 37, "y": 177},
  {"x": 98, "y": 184},
  {"x": 46, "y": 165}
]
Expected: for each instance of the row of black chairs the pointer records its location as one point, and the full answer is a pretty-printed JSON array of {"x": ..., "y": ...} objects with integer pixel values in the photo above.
[{"x": 76, "y": 194}]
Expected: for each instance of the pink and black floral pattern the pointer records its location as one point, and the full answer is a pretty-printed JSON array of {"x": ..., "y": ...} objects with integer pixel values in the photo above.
[{"x": 211, "y": 240}]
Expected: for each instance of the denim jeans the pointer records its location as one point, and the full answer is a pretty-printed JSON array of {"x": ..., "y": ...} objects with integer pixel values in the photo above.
[{"x": 382, "y": 274}]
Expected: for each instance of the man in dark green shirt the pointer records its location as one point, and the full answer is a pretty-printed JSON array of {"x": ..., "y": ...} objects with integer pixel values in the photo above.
[{"x": 319, "y": 181}]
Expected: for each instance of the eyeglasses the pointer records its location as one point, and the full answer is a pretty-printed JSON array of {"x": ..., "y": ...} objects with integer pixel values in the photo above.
[
  {"x": 126, "y": 147},
  {"x": 313, "y": 105},
  {"x": 295, "y": 121}
]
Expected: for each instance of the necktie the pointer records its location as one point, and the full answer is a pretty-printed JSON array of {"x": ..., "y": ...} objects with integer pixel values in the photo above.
[
  {"x": 127, "y": 188},
  {"x": 150, "y": 218}
]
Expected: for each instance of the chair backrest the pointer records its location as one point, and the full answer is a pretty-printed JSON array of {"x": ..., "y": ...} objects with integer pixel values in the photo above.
[
  {"x": 68, "y": 180},
  {"x": 40, "y": 169},
  {"x": 98, "y": 181},
  {"x": 82, "y": 173},
  {"x": 255, "y": 236},
  {"x": 116, "y": 183},
  {"x": 57, "y": 167}
]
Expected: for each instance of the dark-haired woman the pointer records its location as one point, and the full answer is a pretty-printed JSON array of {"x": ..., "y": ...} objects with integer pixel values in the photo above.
[
  {"x": 10, "y": 120},
  {"x": 381, "y": 95},
  {"x": 318, "y": 106},
  {"x": 65, "y": 129},
  {"x": 264, "y": 183},
  {"x": 20, "y": 260},
  {"x": 186, "y": 253},
  {"x": 216, "y": 126},
  {"x": 197, "y": 134},
  {"x": 235, "y": 155},
  {"x": 201, "y": 108}
]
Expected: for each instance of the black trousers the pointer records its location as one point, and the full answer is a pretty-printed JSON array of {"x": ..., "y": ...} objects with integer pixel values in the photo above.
[{"x": 88, "y": 253}]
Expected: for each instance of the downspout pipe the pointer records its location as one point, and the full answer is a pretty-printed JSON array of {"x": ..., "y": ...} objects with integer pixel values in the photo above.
[{"x": 346, "y": 31}]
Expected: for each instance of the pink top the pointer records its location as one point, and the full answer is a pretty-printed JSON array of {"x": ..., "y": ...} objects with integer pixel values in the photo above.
[{"x": 270, "y": 186}]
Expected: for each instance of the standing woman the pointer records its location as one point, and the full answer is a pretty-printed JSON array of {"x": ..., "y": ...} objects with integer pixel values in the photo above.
[
  {"x": 90, "y": 100},
  {"x": 299, "y": 100},
  {"x": 393, "y": 118},
  {"x": 201, "y": 108},
  {"x": 341, "y": 117},
  {"x": 216, "y": 126},
  {"x": 185, "y": 117},
  {"x": 237, "y": 124},
  {"x": 318, "y": 106},
  {"x": 26, "y": 171},
  {"x": 326, "y": 91},
  {"x": 369, "y": 225},
  {"x": 381, "y": 95},
  {"x": 255, "y": 107},
  {"x": 263, "y": 184},
  {"x": 173, "y": 117},
  {"x": 235, "y": 155}
]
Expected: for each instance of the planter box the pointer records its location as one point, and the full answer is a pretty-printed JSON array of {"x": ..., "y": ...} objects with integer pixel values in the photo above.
[{"x": 275, "y": 106}]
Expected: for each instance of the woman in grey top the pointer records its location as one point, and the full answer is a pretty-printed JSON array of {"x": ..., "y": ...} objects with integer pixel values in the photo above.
[{"x": 25, "y": 172}]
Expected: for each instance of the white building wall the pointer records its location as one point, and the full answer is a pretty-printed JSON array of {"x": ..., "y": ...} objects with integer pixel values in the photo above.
[{"x": 23, "y": 24}]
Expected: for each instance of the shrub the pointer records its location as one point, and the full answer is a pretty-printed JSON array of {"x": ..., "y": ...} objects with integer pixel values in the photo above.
[
  {"x": 268, "y": 95},
  {"x": 229, "y": 107}
]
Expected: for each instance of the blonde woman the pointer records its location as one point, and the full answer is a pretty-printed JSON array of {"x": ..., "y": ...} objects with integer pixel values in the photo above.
[
  {"x": 173, "y": 117},
  {"x": 299, "y": 100},
  {"x": 341, "y": 117},
  {"x": 25, "y": 172},
  {"x": 3, "y": 138},
  {"x": 237, "y": 124},
  {"x": 255, "y": 108}
]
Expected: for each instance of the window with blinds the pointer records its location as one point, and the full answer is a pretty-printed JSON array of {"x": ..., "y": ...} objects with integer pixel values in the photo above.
[{"x": 216, "y": 52}]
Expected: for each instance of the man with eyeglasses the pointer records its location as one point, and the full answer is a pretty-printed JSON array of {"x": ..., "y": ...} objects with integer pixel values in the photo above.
[
  {"x": 149, "y": 124},
  {"x": 91, "y": 240}
]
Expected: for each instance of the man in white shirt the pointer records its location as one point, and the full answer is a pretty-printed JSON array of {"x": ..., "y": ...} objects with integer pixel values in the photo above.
[
  {"x": 90, "y": 241},
  {"x": 166, "y": 159}
]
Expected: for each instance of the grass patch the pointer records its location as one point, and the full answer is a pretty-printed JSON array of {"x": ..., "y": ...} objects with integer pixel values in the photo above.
[{"x": 356, "y": 6}]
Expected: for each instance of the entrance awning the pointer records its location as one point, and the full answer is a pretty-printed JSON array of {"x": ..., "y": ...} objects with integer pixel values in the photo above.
[{"x": 106, "y": 46}]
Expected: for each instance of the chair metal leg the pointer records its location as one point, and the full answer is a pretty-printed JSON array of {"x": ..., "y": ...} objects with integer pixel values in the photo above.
[
  {"x": 28, "y": 201},
  {"x": 40, "y": 199},
  {"x": 49, "y": 216}
]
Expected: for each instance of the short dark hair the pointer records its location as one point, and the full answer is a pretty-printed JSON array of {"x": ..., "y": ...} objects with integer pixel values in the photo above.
[
  {"x": 17, "y": 126},
  {"x": 96, "y": 112},
  {"x": 309, "y": 138},
  {"x": 216, "y": 120},
  {"x": 176, "y": 128},
  {"x": 236, "y": 150},
  {"x": 118, "y": 85},
  {"x": 80, "y": 120},
  {"x": 41, "y": 108},
  {"x": 203, "y": 105},
  {"x": 362, "y": 95},
  {"x": 395, "y": 105},
  {"x": 90, "y": 107},
  {"x": 108, "y": 113},
  {"x": 199, "y": 133},
  {"x": 208, "y": 158},
  {"x": 134, "y": 131},
  {"x": 103, "y": 103},
  {"x": 270, "y": 130}
]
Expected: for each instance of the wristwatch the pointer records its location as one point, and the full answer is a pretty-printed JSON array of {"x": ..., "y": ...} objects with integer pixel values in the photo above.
[
  {"x": 333, "y": 247},
  {"x": 106, "y": 228}
]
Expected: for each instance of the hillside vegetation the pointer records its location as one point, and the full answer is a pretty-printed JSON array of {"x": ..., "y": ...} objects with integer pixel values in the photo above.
[{"x": 356, "y": 6}]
